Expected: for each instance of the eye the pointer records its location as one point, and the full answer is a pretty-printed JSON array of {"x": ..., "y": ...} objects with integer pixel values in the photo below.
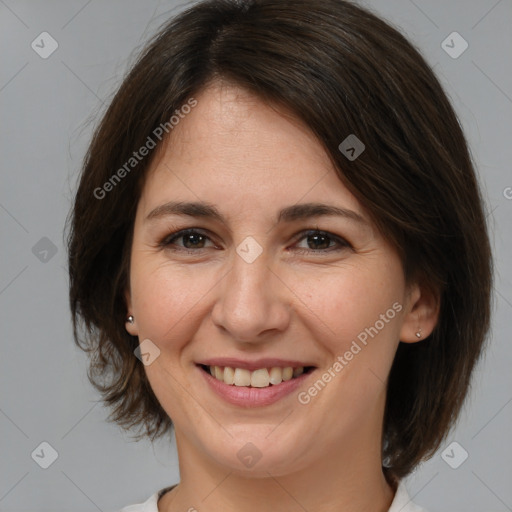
[
  {"x": 322, "y": 241},
  {"x": 192, "y": 240}
]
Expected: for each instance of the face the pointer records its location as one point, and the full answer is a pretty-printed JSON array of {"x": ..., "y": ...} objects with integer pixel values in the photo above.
[{"x": 251, "y": 278}]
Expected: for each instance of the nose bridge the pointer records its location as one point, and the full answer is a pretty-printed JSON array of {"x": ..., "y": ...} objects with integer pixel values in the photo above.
[
  {"x": 248, "y": 275},
  {"x": 249, "y": 301}
]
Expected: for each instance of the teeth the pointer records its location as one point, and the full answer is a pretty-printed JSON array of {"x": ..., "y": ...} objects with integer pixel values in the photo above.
[
  {"x": 287, "y": 373},
  {"x": 242, "y": 377},
  {"x": 276, "y": 376},
  {"x": 298, "y": 371},
  {"x": 260, "y": 378},
  {"x": 229, "y": 375}
]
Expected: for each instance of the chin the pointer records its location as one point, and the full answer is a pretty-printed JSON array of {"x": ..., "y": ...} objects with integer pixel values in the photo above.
[{"x": 256, "y": 454}]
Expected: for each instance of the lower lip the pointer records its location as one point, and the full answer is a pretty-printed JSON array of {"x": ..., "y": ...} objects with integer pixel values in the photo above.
[{"x": 253, "y": 397}]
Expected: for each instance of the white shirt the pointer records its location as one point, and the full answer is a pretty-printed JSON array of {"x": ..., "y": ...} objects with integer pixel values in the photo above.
[{"x": 401, "y": 502}]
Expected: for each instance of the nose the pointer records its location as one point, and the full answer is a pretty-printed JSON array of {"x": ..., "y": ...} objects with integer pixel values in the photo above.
[{"x": 252, "y": 302}]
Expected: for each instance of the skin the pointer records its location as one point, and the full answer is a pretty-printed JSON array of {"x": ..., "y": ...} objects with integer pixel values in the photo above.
[{"x": 295, "y": 301}]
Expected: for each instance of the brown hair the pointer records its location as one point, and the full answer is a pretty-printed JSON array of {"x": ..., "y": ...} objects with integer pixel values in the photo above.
[{"x": 342, "y": 71}]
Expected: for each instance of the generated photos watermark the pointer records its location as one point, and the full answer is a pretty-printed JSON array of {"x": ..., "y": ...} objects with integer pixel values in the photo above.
[
  {"x": 145, "y": 149},
  {"x": 304, "y": 397}
]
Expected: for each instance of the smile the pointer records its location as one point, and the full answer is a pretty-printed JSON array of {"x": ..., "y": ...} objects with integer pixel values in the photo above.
[
  {"x": 254, "y": 387},
  {"x": 260, "y": 378}
]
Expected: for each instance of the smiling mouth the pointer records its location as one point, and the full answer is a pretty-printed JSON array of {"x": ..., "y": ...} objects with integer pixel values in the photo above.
[{"x": 261, "y": 378}]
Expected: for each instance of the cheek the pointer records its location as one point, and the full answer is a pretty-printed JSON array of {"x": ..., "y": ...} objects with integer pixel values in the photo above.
[
  {"x": 347, "y": 303},
  {"x": 164, "y": 301}
]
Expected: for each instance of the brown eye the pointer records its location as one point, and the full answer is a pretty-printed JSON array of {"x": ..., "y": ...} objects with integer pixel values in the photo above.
[
  {"x": 195, "y": 240},
  {"x": 192, "y": 239},
  {"x": 322, "y": 241}
]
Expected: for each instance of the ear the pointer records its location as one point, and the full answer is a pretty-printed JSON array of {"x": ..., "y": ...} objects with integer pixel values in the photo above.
[
  {"x": 130, "y": 327},
  {"x": 422, "y": 314}
]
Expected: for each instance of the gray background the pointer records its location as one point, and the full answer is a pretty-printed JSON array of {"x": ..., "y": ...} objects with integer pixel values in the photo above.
[{"x": 48, "y": 108}]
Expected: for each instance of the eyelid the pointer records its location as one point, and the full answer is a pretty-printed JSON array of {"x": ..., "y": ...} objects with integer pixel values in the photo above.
[
  {"x": 176, "y": 234},
  {"x": 342, "y": 242}
]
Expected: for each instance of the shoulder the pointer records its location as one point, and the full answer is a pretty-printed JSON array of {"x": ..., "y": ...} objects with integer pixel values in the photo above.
[{"x": 402, "y": 502}]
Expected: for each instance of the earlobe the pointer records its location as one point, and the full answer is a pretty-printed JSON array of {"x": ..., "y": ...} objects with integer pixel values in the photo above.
[
  {"x": 422, "y": 317},
  {"x": 130, "y": 325}
]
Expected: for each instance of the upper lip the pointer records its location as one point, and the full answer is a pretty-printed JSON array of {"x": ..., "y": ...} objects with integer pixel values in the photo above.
[{"x": 267, "y": 362}]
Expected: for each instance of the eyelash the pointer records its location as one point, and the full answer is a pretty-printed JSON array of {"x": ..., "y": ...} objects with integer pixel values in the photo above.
[{"x": 168, "y": 242}]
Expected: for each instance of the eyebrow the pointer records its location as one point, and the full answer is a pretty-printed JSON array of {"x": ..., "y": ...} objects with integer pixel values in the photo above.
[{"x": 288, "y": 214}]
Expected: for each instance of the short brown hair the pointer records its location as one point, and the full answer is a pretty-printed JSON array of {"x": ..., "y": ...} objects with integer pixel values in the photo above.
[{"x": 341, "y": 70}]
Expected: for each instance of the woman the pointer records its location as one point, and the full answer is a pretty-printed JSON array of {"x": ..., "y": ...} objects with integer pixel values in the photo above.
[{"x": 278, "y": 243}]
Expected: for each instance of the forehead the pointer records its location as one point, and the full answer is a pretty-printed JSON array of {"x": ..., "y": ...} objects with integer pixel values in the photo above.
[{"x": 232, "y": 144}]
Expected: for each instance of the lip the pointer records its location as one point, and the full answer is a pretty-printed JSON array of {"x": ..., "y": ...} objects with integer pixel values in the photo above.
[
  {"x": 257, "y": 364},
  {"x": 252, "y": 397}
]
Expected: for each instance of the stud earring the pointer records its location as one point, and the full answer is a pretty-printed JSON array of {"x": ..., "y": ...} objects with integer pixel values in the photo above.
[
  {"x": 418, "y": 334},
  {"x": 130, "y": 319}
]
